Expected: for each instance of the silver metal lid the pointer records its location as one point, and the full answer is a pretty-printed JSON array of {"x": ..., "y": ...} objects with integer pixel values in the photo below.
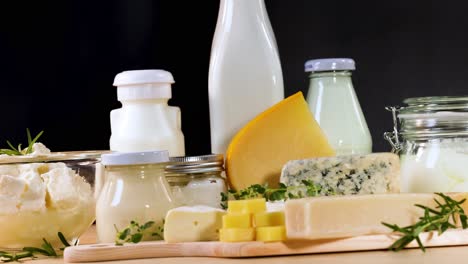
[
  {"x": 427, "y": 118},
  {"x": 195, "y": 164},
  {"x": 331, "y": 64},
  {"x": 433, "y": 104}
]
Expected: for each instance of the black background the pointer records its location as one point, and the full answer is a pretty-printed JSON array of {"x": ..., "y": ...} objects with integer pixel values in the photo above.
[{"x": 58, "y": 59}]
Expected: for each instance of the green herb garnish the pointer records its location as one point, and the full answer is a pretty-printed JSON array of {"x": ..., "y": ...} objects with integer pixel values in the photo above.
[
  {"x": 433, "y": 220},
  {"x": 18, "y": 151},
  {"x": 134, "y": 232},
  {"x": 29, "y": 252},
  {"x": 307, "y": 188}
]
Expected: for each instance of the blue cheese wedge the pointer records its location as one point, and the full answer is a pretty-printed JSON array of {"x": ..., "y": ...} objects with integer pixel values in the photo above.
[{"x": 347, "y": 175}]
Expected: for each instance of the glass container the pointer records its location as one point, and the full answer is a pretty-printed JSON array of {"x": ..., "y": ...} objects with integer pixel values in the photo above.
[
  {"x": 197, "y": 180},
  {"x": 335, "y": 105},
  {"x": 135, "y": 189},
  {"x": 431, "y": 136},
  {"x": 43, "y": 195}
]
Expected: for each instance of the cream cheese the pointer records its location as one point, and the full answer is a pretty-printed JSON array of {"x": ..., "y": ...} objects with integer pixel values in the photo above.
[{"x": 38, "y": 200}]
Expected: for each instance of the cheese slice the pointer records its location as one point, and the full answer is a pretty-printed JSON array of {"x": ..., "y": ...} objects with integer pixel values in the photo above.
[
  {"x": 348, "y": 174},
  {"x": 346, "y": 216},
  {"x": 286, "y": 131},
  {"x": 193, "y": 223}
]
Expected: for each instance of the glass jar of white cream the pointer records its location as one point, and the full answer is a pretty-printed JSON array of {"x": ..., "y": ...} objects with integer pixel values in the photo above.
[
  {"x": 197, "y": 180},
  {"x": 135, "y": 189},
  {"x": 431, "y": 136}
]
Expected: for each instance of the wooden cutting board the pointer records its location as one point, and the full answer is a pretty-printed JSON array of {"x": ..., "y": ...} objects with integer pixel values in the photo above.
[{"x": 158, "y": 249}]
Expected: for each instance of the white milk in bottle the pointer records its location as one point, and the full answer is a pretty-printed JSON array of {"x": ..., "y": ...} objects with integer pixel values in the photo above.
[
  {"x": 335, "y": 106},
  {"x": 245, "y": 75}
]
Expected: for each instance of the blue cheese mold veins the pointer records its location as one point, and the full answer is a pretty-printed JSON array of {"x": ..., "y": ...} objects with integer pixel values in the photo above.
[{"x": 346, "y": 175}]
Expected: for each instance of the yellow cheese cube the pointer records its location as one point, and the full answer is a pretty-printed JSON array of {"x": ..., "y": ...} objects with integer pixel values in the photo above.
[
  {"x": 271, "y": 233},
  {"x": 237, "y": 220},
  {"x": 247, "y": 206},
  {"x": 236, "y": 234},
  {"x": 269, "y": 219}
]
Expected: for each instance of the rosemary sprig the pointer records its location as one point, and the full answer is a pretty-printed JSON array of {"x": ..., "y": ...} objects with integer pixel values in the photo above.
[
  {"x": 29, "y": 252},
  {"x": 432, "y": 220},
  {"x": 134, "y": 232},
  {"x": 18, "y": 151},
  {"x": 307, "y": 188}
]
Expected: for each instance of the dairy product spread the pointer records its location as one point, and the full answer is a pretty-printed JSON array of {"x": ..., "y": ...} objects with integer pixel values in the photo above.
[{"x": 38, "y": 200}]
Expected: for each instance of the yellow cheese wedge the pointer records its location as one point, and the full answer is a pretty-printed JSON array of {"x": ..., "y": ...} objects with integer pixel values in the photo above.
[
  {"x": 271, "y": 233},
  {"x": 269, "y": 219},
  {"x": 286, "y": 131},
  {"x": 251, "y": 206},
  {"x": 237, "y": 220},
  {"x": 346, "y": 216},
  {"x": 236, "y": 234}
]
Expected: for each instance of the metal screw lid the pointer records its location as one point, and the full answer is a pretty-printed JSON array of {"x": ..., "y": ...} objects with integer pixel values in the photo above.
[
  {"x": 195, "y": 164},
  {"x": 427, "y": 118}
]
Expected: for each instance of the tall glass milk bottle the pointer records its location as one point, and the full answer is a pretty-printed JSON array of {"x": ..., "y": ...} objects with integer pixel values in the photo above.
[
  {"x": 245, "y": 75},
  {"x": 335, "y": 106}
]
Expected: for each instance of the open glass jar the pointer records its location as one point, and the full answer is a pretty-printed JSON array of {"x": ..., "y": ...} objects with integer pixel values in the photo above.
[
  {"x": 431, "y": 136},
  {"x": 197, "y": 180}
]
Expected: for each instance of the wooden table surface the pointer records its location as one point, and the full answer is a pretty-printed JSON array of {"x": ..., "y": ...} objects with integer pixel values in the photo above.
[{"x": 432, "y": 255}]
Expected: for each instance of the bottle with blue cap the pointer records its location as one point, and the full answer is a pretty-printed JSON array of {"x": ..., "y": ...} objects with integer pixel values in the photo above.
[
  {"x": 333, "y": 101},
  {"x": 146, "y": 122}
]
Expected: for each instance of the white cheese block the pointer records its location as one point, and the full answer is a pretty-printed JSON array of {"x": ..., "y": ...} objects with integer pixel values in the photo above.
[
  {"x": 11, "y": 189},
  {"x": 10, "y": 170},
  {"x": 34, "y": 196},
  {"x": 346, "y": 216},
  {"x": 345, "y": 175},
  {"x": 193, "y": 223},
  {"x": 65, "y": 188}
]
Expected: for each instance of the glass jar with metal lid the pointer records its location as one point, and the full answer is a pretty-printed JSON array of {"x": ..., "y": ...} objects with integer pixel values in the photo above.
[
  {"x": 431, "y": 136},
  {"x": 197, "y": 180}
]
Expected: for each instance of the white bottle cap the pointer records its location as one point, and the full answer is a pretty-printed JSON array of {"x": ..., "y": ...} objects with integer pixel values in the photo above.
[
  {"x": 143, "y": 84},
  {"x": 131, "y": 158},
  {"x": 334, "y": 64}
]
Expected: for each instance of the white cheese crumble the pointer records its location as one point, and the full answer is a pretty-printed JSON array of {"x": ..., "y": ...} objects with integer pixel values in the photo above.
[
  {"x": 38, "y": 200},
  {"x": 38, "y": 186}
]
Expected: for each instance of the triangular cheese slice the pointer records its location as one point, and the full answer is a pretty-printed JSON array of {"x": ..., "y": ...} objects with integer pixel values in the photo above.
[{"x": 286, "y": 131}]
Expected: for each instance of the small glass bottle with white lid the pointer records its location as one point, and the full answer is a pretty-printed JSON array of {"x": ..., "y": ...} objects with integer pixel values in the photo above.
[
  {"x": 135, "y": 189},
  {"x": 197, "y": 180},
  {"x": 335, "y": 106}
]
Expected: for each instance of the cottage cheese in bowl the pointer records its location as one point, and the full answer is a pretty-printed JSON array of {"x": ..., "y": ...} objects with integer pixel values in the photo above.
[{"x": 41, "y": 195}]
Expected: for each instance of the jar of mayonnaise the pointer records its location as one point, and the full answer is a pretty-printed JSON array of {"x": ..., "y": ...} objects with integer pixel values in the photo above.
[
  {"x": 135, "y": 189},
  {"x": 431, "y": 136},
  {"x": 197, "y": 180}
]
